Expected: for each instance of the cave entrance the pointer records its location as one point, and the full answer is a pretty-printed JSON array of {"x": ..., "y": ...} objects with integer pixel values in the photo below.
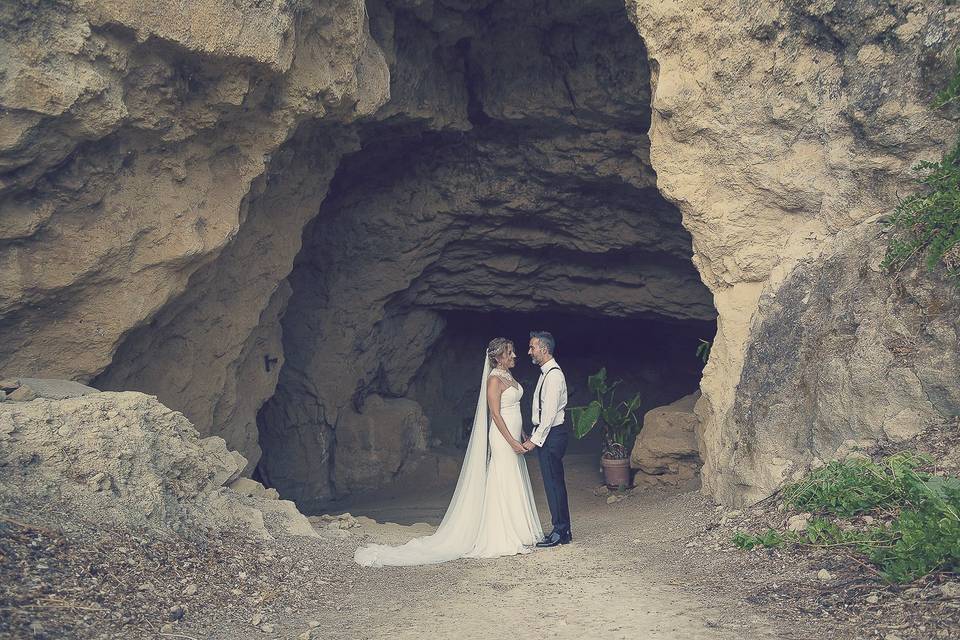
[
  {"x": 654, "y": 357},
  {"x": 506, "y": 186}
]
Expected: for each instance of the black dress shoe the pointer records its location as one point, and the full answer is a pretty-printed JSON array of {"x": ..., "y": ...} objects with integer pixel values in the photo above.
[
  {"x": 551, "y": 540},
  {"x": 554, "y": 539}
]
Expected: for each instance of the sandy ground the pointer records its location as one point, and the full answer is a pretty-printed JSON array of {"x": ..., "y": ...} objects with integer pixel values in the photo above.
[
  {"x": 657, "y": 564},
  {"x": 611, "y": 582}
]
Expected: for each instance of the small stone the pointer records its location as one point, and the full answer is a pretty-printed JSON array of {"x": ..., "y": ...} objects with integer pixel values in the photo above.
[
  {"x": 798, "y": 522},
  {"x": 868, "y": 519},
  {"x": 313, "y": 624},
  {"x": 175, "y": 613},
  {"x": 601, "y": 491},
  {"x": 242, "y": 575},
  {"x": 146, "y": 586},
  {"x": 892, "y": 636},
  {"x": 286, "y": 559},
  {"x": 824, "y": 576},
  {"x": 236, "y": 592},
  {"x": 736, "y": 513},
  {"x": 266, "y": 628},
  {"x": 190, "y": 590},
  {"x": 611, "y": 499},
  {"x": 22, "y": 394},
  {"x": 873, "y": 598},
  {"x": 950, "y": 590},
  {"x": 304, "y": 636},
  {"x": 166, "y": 628},
  {"x": 256, "y": 619}
]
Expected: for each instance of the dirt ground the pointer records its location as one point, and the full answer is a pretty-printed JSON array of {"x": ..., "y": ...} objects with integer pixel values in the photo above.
[{"x": 655, "y": 564}]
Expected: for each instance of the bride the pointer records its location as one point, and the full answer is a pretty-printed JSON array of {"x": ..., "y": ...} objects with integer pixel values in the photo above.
[{"x": 492, "y": 512}]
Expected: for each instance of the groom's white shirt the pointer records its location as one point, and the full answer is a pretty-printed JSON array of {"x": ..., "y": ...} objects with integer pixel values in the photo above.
[{"x": 551, "y": 413}]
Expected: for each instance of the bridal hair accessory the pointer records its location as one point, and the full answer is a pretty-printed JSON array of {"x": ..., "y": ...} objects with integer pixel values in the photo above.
[{"x": 496, "y": 348}]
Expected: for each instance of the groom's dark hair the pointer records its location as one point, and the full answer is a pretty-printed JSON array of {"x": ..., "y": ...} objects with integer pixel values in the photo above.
[{"x": 546, "y": 339}]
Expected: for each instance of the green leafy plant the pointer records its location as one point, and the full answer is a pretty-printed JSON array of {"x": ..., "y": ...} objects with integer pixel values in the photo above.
[
  {"x": 703, "y": 351},
  {"x": 919, "y": 514},
  {"x": 927, "y": 224},
  {"x": 618, "y": 419}
]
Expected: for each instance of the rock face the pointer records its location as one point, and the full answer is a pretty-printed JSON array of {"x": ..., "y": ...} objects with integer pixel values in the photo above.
[
  {"x": 139, "y": 157},
  {"x": 666, "y": 448},
  {"x": 536, "y": 196},
  {"x": 843, "y": 353},
  {"x": 134, "y": 463},
  {"x": 266, "y": 213},
  {"x": 772, "y": 130}
]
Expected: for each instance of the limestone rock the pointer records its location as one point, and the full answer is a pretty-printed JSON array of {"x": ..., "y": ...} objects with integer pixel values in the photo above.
[
  {"x": 799, "y": 522},
  {"x": 843, "y": 355},
  {"x": 54, "y": 389},
  {"x": 135, "y": 463},
  {"x": 768, "y": 156},
  {"x": 22, "y": 394},
  {"x": 667, "y": 440}
]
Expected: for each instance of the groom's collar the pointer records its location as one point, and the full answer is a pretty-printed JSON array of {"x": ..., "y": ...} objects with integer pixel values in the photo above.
[{"x": 549, "y": 364}]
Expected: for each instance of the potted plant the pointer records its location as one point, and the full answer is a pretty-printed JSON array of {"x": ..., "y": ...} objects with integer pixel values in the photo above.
[{"x": 619, "y": 422}]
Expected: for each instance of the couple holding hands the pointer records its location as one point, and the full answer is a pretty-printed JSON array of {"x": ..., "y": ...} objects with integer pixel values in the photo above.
[{"x": 492, "y": 512}]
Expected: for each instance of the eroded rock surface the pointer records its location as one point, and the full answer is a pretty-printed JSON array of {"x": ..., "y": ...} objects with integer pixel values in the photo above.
[
  {"x": 135, "y": 464},
  {"x": 841, "y": 357},
  {"x": 772, "y": 130},
  {"x": 665, "y": 450},
  {"x": 225, "y": 202}
]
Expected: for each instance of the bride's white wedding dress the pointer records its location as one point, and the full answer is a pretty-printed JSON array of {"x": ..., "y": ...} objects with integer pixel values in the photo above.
[{"x": 492, "y": 512}]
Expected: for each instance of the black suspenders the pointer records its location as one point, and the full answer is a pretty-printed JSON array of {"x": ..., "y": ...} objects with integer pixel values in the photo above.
[{"x": 540, "y": 395}]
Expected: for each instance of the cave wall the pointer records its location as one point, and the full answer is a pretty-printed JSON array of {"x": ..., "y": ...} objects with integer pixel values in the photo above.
[
  {"x": 773, "y": 130},
  {"x": 137, "y": 191},
  {"x": 158, "y": 164},
  {"x": 540, "y": 198}
]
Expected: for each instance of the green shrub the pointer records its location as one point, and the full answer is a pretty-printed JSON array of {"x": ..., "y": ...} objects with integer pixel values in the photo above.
[
  {"x": 927, "y": 224},
  {"x": 923, "y": 533}
]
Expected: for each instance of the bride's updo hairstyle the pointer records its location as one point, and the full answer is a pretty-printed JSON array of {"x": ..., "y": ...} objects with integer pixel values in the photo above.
[{"x": 496, "y": 348}]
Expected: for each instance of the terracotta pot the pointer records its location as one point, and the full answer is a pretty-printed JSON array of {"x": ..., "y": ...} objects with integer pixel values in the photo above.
[{"x": 616, "y": 473}]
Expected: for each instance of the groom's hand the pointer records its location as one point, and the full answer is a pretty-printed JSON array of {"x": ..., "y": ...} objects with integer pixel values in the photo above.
[{"x": 529, "y": 446}]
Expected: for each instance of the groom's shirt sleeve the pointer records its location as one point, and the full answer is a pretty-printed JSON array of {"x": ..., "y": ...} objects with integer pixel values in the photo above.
[{"x": 551, "y": 413}]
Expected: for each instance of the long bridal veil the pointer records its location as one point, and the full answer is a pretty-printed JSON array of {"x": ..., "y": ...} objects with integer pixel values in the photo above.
[{"x": 458, "y": 531}]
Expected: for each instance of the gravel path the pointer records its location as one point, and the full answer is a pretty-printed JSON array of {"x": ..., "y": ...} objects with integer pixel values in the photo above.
[
  {"x": 608, "y": 583},
  {"x": 656, "y": 564}
]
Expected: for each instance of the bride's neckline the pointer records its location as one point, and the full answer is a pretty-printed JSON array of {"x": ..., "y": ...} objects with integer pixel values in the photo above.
[{"x": 506, "y": 376}]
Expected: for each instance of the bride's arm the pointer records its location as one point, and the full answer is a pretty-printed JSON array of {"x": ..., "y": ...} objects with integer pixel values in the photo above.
[{"x": 495, "y": 389}]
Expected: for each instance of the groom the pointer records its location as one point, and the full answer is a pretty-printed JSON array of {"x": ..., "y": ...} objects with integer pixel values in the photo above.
[{"x": 550, "y": 434}]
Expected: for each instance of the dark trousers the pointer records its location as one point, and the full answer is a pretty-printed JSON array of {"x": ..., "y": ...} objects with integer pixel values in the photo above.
[{"x": 551, "y": 467}]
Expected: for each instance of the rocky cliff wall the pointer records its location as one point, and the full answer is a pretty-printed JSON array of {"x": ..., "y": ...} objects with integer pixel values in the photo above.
[
  {"x": 774, "y": 128},
  {"x": 188, "y": 190}
]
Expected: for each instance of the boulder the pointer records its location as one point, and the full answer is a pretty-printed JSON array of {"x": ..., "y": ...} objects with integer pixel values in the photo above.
[
  {"x": 127, "y": 460},
  {"x": 667, "y": 443},
  {"x": 56, "y": 389}
]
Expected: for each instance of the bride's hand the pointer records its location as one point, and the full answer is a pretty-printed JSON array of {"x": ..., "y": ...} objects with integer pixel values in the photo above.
[{"x": 518, "y": 448}]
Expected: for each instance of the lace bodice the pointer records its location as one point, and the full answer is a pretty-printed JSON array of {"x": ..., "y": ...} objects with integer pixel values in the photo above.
[{"x": 512, "y": 394}]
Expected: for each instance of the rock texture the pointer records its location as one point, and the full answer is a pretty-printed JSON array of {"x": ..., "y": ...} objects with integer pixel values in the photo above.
[
  {"x": 540, "y": 199},
  {"x": 666, "y": 450},
  {"x": 135, "y": 186},
  {"x": 222, "y": 203},
  {"x": 134, "y": 463},
  {"x": 843, "y": 356},
  {"x": 773, "y": 129}
]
